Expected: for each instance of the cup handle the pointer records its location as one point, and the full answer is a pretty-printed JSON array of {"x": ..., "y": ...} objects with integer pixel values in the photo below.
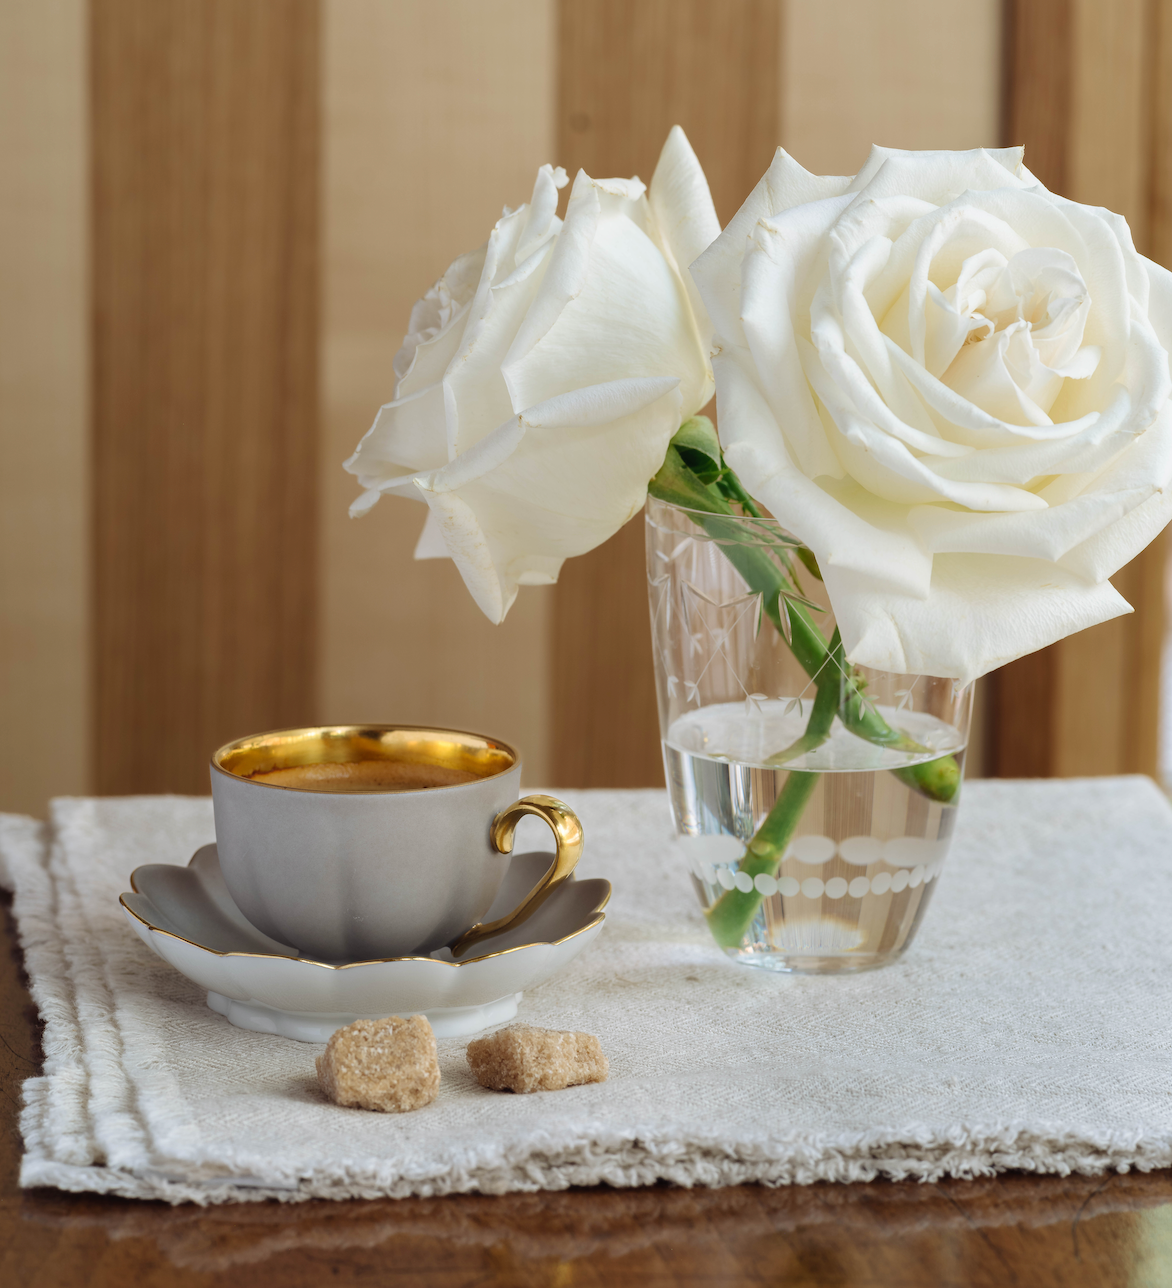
[{"x": 567, "y": 833}]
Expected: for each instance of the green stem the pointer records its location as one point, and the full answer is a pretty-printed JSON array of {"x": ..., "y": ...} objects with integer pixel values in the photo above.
[
  {"x": 733, "y": 485},
  {"x": 730, "y": 916}
]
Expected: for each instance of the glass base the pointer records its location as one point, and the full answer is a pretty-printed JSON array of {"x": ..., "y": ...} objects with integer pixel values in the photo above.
[
  {"x": 795, "y": 964},
  {"x": 831, "y": 927}
]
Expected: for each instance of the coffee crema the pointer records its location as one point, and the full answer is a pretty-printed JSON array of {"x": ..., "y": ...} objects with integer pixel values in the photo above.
[{"x": 363, "y": 776}]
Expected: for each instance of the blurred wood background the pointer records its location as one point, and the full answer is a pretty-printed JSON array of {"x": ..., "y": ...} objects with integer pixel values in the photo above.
[
  {"x": 1087, "y": 90},
  {"x": 204, "y": 123},
  {"x": 214, "y": 218}
]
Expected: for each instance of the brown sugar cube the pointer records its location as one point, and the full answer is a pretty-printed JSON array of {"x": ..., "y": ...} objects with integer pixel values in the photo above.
[
  {"x": 389, "y": 1065},
  {"x": 521, "y": 1058}
]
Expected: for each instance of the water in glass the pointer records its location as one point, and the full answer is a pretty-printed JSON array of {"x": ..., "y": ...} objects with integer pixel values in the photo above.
[{"x": 858, "y": 872}]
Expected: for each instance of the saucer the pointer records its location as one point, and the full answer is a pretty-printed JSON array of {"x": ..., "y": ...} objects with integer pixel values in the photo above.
[{"x": 187, "y": 916}]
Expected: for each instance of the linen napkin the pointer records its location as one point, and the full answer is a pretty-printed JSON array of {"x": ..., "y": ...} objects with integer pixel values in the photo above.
[{"x": 1027, "y": 1027}]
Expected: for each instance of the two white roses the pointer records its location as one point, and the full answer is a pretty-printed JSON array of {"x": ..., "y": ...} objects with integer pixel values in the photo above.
[{"x": 951, "y": 384}]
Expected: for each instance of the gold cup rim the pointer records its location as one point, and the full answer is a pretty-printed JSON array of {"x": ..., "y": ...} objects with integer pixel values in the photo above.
[{"x": 303, "y": 745}]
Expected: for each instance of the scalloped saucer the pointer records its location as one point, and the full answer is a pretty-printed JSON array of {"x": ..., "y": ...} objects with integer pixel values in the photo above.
[{"x": 187, "y": 916}]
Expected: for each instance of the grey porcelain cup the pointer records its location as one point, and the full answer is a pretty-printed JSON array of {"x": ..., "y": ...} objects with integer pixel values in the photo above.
[{"x": 362, "y": 875}]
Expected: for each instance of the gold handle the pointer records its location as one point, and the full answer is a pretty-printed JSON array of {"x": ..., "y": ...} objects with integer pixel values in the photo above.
[{"x": 567, "y": 833}]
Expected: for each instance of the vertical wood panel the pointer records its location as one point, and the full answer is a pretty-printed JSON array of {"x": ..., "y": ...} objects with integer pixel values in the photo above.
[
  {"x": 1114, "y": 151},
  {"x": 1160, "y": 133},
  {"x": 43, "y": 403},
  {"x": 436, "y": 114},
  {"x": 205, "y": 450},
  {"x": 1107, "y": 699},
  {"x": 904, "y": 73},
  {"x": 1039, "y": 69},
  {"x": 1086, "y": 99},
  {"x": 626, "y": 74},
  {"x": 1039, "y": 50}
]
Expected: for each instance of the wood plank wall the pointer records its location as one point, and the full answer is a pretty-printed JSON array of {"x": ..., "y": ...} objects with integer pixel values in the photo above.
[
  {"x": 205, "y": 449},
  {"x": 407, "y": 185},
  {"x": 1087, "y": 92},
  {"x": 857, "y": 73},
  {"x": 44, "y": 474},
  {"x": 626, "y": 74},
  {"x": 222, "y": 600}
]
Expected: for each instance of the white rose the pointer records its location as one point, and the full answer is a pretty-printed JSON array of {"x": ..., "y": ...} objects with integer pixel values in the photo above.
[
  {"x": 545, "y": 373},
  {"x": 953, "y": 386}
]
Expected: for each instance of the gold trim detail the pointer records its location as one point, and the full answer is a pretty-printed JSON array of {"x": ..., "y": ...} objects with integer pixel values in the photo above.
[
  {"x": 447, "y": 749},
  {"x": 567, "y": 835}
]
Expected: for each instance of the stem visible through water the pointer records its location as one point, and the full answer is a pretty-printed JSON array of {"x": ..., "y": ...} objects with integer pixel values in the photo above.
[{"x": 730, "y": 916}]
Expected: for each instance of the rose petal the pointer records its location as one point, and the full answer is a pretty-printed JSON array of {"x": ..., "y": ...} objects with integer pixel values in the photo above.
[
  {"x": 982, "y": 612},
  {"x": 466, "y": 542},
  {"x": 685, "y": 217},
  {"x": 717, "y": 272},
  {"x": 524, "y": 499},
  {"x": 477, "y": 398},
  {"x": 885, "y": 467},
  {"x": 476, "y": 391},
  {"x": 1097, "y": 440},
  {"x": 568, "y": 264},
  {"x": 1106, "y": 552},
  {"x": 1047, "y": 535},
  {"x": 598, "y": 404},
  {"x": 841, "y": 385},
  {"x": 939, "y": 245},
  {"x": 961, "y": 421},
  {"x": 1147, "y": 464},
  {"x": 628, "y": 318},
  {"x": 429, "y": 354},
  {"x": 981, "y": 375},
  {"x": 541, "y": 222},
  {"x": 1048, "y": 221},
  {"x": 365, "y": 503},
  {"x": 868, "y": 540},
  {"x": 402, "y": 439},
  {"x": 436, "y": 312},
  {"x": 1159, "y": 310},
  {"x": 772, "y": 278},
  {"x": 431, "y": 544},
  {"x": 937, "y": 177}
]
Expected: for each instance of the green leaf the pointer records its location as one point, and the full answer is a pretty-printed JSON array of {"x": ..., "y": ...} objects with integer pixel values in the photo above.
[
  {"x": 700, "y": 465},
  {"x": 697, "y": 437},
  {"x": 807, "y": 557}
]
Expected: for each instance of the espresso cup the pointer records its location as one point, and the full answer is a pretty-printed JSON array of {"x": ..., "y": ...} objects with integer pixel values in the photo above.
[{"x": 359, "y": 842}]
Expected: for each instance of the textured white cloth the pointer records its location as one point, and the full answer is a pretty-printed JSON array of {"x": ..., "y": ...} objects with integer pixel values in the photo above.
[{"x": 1028, "y": 1026}]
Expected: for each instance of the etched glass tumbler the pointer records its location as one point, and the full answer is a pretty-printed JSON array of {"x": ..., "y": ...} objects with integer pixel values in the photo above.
[{"x": 815, "y": 800}]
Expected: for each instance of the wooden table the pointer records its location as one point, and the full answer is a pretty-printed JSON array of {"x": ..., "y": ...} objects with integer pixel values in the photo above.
[{"x": 1034, "y": 1231}]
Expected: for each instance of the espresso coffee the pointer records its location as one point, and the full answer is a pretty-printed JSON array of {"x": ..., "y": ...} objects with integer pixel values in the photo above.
[{"x": 364, "y": 776}]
